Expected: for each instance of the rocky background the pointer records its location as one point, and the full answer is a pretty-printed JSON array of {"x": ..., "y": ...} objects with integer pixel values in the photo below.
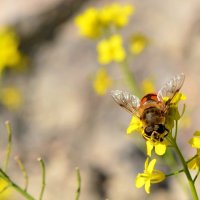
[{"x": 66, "y": 123}]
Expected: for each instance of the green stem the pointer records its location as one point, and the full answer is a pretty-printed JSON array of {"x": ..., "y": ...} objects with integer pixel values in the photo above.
[
  {"x": 23, "y": 170},
  {"x": 197, "y": 174},
  {"x": 186, "y": 170},
  {"x": 78, "y": 190},
  {"x": 9, "y": 145},
  {"x": 174, "y": 173},
  {"x": 42, "y": 165},
  {"x": 15, "y": 186},
  {"x": 128, "y": 77}
]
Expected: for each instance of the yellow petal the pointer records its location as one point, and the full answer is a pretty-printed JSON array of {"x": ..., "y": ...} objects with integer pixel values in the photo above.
[
  {"x": 140, "y": 181},
  {"x": 149, "y": 148},
  {"x": 160, "y": 149},
  {"x": 157, "y": 176},
  {"x": 195, "y": 142},
  {"x": 193, "y": 164},
  {"x": 134, "y": 126},
  {"x": 147, "y": 186},
  {"x": 102, "y": 82},
  {"x": 151, "y": 166},
  {"x": 146, "y": 164}
]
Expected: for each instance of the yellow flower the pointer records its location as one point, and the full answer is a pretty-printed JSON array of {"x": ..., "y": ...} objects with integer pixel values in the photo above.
[
  {"x": 6, "y": 193},
  {"x": 173, "y": 112},
  {"x": 149, "y": 176},
  {"x": 89, "y": 24},
  {"x": 102, "y": 82},
  {"x": 148, "y": 86},
  {"x": 10, "y": 55},
  {"x": 195, "y": 140},
  {"x": 11, "y": 98},
  {"x": 92, "y": 23},
  {"x": 195, "y": 143},
  {"x": 135, "y": 125},
  {"x": 138, "y": 44},
  {"x": 160, "y": 147},
  {"x": 116, "y": 15},
  {"x": 195, "y": 162},
  {"x": 111, "y": 50}
]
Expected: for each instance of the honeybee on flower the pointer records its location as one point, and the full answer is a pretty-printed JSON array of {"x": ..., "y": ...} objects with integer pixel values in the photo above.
[{"x": 151, "y": 112}]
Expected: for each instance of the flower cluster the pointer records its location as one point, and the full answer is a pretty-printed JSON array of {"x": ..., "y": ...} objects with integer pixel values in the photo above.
[
  {"x": 12, "y": 58},
  {"x": 10, "y": 55},
  {"x": 194, "y": 163},
  {"x": 102, "y": 81},
  {"x": 11, "y": 98},
  {"x": 94, "y": 23},
  {"x": 111, "y": 49},
  {"x": 104, "y": 24}
]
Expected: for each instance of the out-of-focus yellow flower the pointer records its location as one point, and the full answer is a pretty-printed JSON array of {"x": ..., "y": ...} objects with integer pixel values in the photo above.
[
  {"x": 195, "y": 143},
  {"x": 102, "y": 82},
  {"x": 11, "y": 98},
  {"x": 111, "y": 50},
  {"x": 195, "y": 140},
  {"x": 94, "y": 22},
  {"x": 149, "y": 176},
  {"x": 116, "y": 15},
  {"x": 5, "y": 195},
  {"x": 173, "y": 112},
  {"x": 195, "y": 162},
  {"x": 160, "y": 147},
  {"x": 89, "y": 24},
  {"x": 148, "y": 86},
  {"x": 138, "y": 43},
  {"x": 10, "y": 55},
  {"x": 135, "y": 125}
]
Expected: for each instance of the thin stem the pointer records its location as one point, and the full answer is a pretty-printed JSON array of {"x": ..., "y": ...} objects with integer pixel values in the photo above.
[
  {"x": 23, "y": 170},
  {"x": 15, "y": 186},
  {"x": 78, "y": 190},
  {"x": 186, "y": 170},
  {"x": 42, "y": 165},
  {"x": 174, "y": 173},
  {"x": 191, "y": 158},
  {"x": 197, "y": 174},
  {"x": 128, "y": 77},
  {"x": 9, "y": 144}
]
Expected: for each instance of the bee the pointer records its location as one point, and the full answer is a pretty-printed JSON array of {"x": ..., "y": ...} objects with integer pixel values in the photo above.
[{"x": 152, "y": 109}]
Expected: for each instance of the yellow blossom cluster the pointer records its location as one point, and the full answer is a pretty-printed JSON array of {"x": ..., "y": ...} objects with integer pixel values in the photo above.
[
  {"x": 194, "y": 163},
  {"x": 10, "y": 55},
  {"x": 102, "y": 82},
  {"x": 10, "y": 97},
  {"x": 93, "y": 22},
  {"x": 111, "y": 49}
]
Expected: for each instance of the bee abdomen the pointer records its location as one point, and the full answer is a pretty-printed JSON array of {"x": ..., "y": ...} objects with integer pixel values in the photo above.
[{"x": 152, "y": 115}]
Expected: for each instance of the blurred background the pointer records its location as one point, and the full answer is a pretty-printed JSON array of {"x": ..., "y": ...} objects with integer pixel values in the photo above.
[{"x": 47, "y": 95}]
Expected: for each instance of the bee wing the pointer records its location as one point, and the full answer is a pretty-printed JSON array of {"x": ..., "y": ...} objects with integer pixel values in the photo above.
[
  {"x": 171, "y": 87},
  {"x": 127, "y": 101}
]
